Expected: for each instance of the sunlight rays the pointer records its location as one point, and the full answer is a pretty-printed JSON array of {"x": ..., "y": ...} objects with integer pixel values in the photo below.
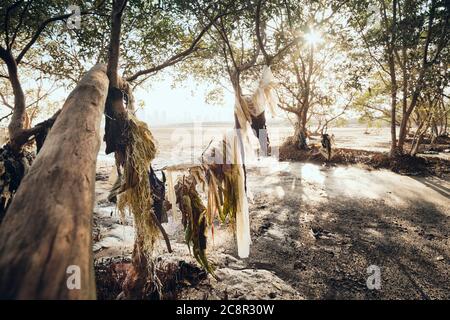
[{"x": 313, "y": 37}]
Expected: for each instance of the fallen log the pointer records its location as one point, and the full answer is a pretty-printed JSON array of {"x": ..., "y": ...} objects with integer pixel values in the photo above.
[{"x": 45, "y": 238}]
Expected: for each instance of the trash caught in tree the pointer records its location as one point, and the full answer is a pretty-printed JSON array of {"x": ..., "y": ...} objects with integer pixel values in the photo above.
[
  {"x": 250, "y": 109},
  {"x": 13, "y": 167},
  {"x": 134, "y": 194},
  {"x": 194, "y": 219},
  {"x": 326, "y": 146}
]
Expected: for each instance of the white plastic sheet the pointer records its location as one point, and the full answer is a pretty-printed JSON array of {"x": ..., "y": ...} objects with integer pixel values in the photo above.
[
  {"x": 171, "y": 191},
  {"x": 242, "y": 215}
]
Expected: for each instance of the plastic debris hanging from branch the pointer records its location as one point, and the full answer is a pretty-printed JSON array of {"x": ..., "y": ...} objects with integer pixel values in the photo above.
[
  {"x": 13, "y": 167},
  {"x": 250, "y": 111},
  {"x": 227, "y": 194},
  {"x": 265, "y": 96},
  {"x": 194, "y": 219},
  {"x": 249, "y": 107},
  {"x": 326, "y": 146},
  {"x": 135, "y": 193},
  {"x": 222, "y": 175}
]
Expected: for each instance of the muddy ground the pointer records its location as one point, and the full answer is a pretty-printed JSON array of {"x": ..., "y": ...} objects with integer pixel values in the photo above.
[
  {"x": 321, "y": 233},
  {"x": 315, "y": 230}
]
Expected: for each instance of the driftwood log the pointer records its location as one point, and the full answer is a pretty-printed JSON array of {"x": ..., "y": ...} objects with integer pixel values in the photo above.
[{"x": 45, "y": 238}]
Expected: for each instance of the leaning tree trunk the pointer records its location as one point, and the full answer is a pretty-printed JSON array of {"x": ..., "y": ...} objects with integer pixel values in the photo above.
[{"x": 46, "y": 234}]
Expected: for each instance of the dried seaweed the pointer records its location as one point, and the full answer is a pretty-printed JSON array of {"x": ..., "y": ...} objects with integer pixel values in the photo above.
[
  {"x": 194, "y": 220},
  {"x": 135, "y": 193}
]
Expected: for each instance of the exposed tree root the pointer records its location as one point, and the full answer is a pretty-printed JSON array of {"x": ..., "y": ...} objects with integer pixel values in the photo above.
[{"x": 111, "y": 275}]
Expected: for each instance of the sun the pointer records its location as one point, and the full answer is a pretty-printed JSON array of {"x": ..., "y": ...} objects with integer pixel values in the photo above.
[{"x": 313, "y": 37}]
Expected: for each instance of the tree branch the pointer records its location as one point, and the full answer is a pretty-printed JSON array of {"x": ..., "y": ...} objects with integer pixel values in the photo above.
[
  {"x": 179, "y": 56},
  {"x": 16, "y": 30},
  {"x": 42, "y": 27},
  {"x": 6, "y": 24},
  {"x": 5, "y": 102},
  {"x": 259, "y": 37}
]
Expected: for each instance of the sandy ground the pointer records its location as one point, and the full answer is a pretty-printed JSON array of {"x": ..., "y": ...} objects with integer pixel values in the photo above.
[{"x": 315, "y": 231}]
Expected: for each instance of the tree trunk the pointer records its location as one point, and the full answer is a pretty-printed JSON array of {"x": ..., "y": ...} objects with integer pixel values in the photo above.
[
  {"x": 116, "y": 115},
  {"x": 416, "y": 145},
  {"x": 394, "y": 87},
  {"x": 300, "y": 129},
  {"x": 300, "y": 125},
  {"x": 138, "y": 278},
  {"x": 304, "y": 119},
  {"x": 394, "y": 149},
  {"x": 140, "y": 283},
  {"x": 47, "y": 229},
  {"x": 402, "y": 133},
  {"x": 419, "y": 83},
  {"x": 16, "y": 125},
  {"x": 297, "y": 128},
  {"x": 417, "y": 140}
]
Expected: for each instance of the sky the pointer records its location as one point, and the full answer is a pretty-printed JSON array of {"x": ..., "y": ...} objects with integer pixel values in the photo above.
[
  {"x": 165, "y": 104},
  {"x": 185, "y": 103}
]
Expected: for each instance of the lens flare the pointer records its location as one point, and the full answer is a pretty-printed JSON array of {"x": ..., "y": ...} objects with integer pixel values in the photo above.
[{"x": 313, "y": 37}]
